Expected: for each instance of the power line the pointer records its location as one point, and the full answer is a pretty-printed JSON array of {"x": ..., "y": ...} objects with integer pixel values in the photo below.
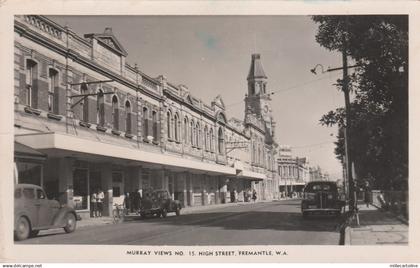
[
  {"x": 284, "y": 90},
  {"x": 311, "y": 145}
]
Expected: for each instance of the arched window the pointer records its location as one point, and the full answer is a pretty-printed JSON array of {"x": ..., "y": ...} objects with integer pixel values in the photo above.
[
  {"x": 198, "y": 135},
  {"x": 31, "y": 83},
  {"x": 168, "y": 124},
  {"x": 177, "y": 124},
  {"x": 206, "y": 138},
  {"x": 115, "y": 113},
  {"x": 211, "y": 140},
  {"x": 185, "y": 130},
  {"x": 127, "y": 117},
  {"x": 100, "y": 108},
  {"x": 220, "y": 141},
  {"x": 154, "y": 126},
  {"x": 145, "y": 122},
  {"x": 192, "y": 132},
  {"x": 53, "y": 91}
]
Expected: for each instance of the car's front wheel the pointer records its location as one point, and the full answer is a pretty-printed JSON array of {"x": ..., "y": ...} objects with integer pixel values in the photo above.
[
  {"x": 70, "y": 223},
  {"x": 23, "y": 229}
]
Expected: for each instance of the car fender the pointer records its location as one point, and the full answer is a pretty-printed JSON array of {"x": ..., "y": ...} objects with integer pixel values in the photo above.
[
  {"x": 60, "y": 217},
  {"x": 22, "y": 214}
]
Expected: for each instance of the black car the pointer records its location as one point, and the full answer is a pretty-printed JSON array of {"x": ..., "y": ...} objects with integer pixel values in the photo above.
[
  {"x": 321, "y": 197},
  {"x": 159, "y": 203}
]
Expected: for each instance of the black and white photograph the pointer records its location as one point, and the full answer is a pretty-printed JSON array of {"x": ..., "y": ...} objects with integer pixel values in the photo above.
[{"x": 152, "y": 131}]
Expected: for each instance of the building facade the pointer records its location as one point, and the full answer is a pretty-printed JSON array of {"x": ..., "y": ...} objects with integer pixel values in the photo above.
[
  {"x": 294, "y": 172},
  {"x": 104, "y": 124}
]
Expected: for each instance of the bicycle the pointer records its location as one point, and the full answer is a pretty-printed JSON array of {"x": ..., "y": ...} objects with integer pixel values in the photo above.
[{"x": 118, "y": 213}]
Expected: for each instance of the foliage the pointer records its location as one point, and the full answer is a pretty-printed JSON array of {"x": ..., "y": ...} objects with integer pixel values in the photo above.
[{"x": 379, "y": 109}]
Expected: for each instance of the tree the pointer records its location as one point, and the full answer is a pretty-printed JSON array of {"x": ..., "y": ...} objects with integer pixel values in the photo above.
[{"x": 379, "y": 110}]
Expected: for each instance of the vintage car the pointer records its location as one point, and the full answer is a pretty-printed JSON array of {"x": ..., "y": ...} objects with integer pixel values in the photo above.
[
  {"x": 35, "y": 212},
  {"x": 321, "y": 197},
  {"x": 159, "y": 203}
]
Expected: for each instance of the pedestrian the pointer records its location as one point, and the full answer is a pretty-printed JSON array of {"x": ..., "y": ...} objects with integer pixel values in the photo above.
[
  {"x": 93, "y": 206},
  {"x": 254, "y": 195},
  {"x": 136, "y": 200},
  {"x": 100, "y": 202},
  {"x": 367, "y": 193},
  {"x": 127, "y": 202}
]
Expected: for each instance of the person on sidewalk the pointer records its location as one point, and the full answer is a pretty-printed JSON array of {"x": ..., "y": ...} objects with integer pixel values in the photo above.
[
  {"x": 254, "y": 195},
  {"x": 367, "y": 193},
  {"x": 93, "y": 206},
  {"x": 100, "y": 202}
]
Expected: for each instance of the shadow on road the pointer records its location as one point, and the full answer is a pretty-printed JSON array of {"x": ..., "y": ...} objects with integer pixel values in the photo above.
[{"x": 252, "y": 219}]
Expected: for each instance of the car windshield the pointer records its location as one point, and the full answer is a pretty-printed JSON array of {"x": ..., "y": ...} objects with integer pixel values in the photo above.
[{"x": 321, "y": 187}]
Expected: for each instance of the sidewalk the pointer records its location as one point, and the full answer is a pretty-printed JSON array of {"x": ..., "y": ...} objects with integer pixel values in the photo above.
[
  {"x": 184, "y": 211},
  {"x": 377, "y": 227}
]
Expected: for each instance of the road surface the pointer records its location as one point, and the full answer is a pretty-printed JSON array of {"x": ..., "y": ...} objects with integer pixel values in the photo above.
[{"x": 269, "y": 223}]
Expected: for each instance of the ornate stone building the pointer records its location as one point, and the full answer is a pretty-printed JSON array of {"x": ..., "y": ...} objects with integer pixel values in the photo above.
[{"x": 102, "y": 123}]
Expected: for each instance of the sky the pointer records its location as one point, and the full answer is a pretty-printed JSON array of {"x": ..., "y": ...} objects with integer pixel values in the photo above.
[{"x": 211, "y": 55}]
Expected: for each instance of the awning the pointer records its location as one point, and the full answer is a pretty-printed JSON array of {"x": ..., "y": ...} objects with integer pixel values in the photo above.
[
  {"x": 48, "y": 141},
  {"x": 27, "y": 153},
  {"x": 242, "y": 173},
  {"x": 254, "y": 176}
]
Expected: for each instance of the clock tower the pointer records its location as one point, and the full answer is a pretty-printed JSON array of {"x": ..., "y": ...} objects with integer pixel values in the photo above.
[{"x": 257, "y": 101}]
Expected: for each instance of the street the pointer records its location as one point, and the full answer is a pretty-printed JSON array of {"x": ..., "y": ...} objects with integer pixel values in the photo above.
[{"x": 271, "y": 223}]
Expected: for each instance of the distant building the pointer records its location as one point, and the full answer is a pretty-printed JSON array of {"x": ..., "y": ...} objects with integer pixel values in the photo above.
[{"x": 293, "y": 171}]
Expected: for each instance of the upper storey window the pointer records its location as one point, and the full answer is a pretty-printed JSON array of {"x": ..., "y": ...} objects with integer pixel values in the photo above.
[
  {"x": 53, "y": 91},
  {"x": 127, "y": 117},
  {"x": 31, "y": 72},
  {"x": 100, "y": 108},
  {"x": 115, "y": 113}
]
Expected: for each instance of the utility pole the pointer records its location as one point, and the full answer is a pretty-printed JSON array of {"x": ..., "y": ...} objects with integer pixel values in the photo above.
[{"x": 347, "y": 126}]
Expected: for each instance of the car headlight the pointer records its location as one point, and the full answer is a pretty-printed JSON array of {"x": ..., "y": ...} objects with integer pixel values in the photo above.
[{"x": 330, "y": 196}]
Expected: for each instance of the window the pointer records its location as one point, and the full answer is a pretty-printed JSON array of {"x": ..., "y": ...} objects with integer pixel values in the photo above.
[
  {"x": 145, "y": 122},
  {"x": 168, "y": 124},
  {"x": 85, "y": 90},
  {"x": 29, "y": 172},
  {"x": 221, "y": 141},
  {"x": 155, "y": 126},
  {"x": 127, "y": 117},
  {"x": 100, "y": 108},
  {"x": 18, "y": 193},
  {"x": 198, "y": 135},
  {"x": 53, "y": 91},
  {"x": 185, "y": 130},
  {"x": 28, "y": 193},
  {"x": 115, "y": 113},
  {"x": 80, "y": 188},
  {"x": 40, "y": 194},
  {"x": 177, "y": 127},
  {"x": 192, "y": 131},
  {"x": 211, "y": 140},
  {"x": 206, "y": 138},
  {"x": 31, "y": 83}
]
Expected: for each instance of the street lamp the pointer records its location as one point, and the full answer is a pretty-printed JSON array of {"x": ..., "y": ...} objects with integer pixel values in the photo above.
[{"x": 347, "y": 128}]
